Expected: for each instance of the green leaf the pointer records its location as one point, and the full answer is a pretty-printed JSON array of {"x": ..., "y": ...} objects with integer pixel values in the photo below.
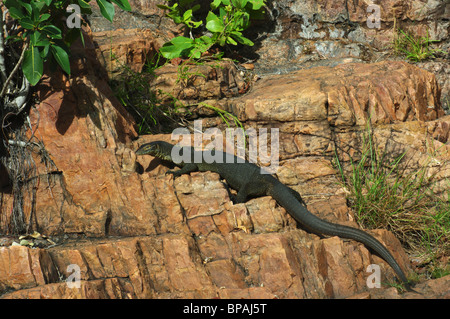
[
  {"x": 43, "y": 43},
  {"x": 187, "y": 19},
  {"x": 123, "y": 4},
  {"x": 231, "y": 40},
  {"x": 213, "y": 23},
  {"x": 174, "y": 13},
  {"x": 187, "y": 16},
  {"x": 36, "y": 8},
  {"x": 256, "y": 4},
  {"x": 241, "y": 21},
  {"x": 44, "y": 17},
  {"x": 193, "y": 24},
  {"x": 240, "y": 4},
  {"x": 61, "y": 57},
  {"x": 52, "y": 31},
  {"x": 107, "y": 9},
  {"x": 183, "y": 3},
  {"x": 215, "y": 4},
  {"x": 82, "y": 38},
  {"x": 38, "y": 39},
  {"x": 27, "y": 6},
  {"x": 238, "y": 36},
  {"x": 201, "y": 45},
  {"x": 32, "y": 66},
  {"x": 163, "y": 6},
  {"x": 182, "y": 41},
  {"x": 26, "y": 23},
  {"x": 177, "y": 47},
  {"x": 223, "y": 14},
  {"x": 222, "y": 40},
  {"x": 12, "y": 4},
  {"x": 83, "y": 4},
  {"x": 45, "y": 51},
  {"x": 16, "y": 13},
  {"x": 38, "y": 5}
]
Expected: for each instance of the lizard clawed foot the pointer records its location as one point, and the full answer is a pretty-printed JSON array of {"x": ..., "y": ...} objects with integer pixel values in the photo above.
[{"x": 175, "y": 174}]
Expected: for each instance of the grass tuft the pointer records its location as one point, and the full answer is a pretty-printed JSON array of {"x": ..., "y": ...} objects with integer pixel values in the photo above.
[
  {"x": 386, "y": 192},
  {"x": 415, "y": 48}
]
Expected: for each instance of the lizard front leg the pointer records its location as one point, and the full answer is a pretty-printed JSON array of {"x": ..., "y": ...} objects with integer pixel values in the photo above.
[{"x": 186, "y": 169}]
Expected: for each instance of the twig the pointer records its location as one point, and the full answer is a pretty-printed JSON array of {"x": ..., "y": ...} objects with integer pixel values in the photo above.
[
  {"x": 21, "y": 99},
  {"x": 2, "y": 50},
  {"x": 17, "y": 143},
  {"x": 14, "y": 71}
]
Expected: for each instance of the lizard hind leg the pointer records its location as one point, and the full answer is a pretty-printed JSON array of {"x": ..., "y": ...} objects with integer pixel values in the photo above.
[
  {"x": 242, "y": 194},
  {"x": 297, "y": 196}
]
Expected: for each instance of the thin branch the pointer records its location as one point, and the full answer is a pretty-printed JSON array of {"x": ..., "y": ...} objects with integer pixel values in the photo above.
[
  {"x": 14, "y": 71},
  {"x": 2, "y": 50},
  {"x": 20, "y": 100}
]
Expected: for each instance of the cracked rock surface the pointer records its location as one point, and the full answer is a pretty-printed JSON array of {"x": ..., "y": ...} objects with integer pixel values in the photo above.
[{"x": 134, "y": 232}]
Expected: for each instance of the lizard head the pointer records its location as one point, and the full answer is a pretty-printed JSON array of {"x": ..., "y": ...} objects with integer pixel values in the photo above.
[{"x": 158, "y": 149}]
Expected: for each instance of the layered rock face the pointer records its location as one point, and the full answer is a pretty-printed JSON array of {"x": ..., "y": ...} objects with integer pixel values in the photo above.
[
  {"x": 159, "y": 238},
  {"x": 127, "y": 230},
  {"x": 309, "y": 33}
]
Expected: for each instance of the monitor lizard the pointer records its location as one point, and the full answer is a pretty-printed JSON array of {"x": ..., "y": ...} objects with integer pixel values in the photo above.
[{"x": 246, "y": 178}]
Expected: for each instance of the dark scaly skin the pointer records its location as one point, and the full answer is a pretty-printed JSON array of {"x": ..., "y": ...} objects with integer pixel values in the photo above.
[{"x": 246, "y": 178}]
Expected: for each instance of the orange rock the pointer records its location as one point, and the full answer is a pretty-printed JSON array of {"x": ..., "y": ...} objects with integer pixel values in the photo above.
[
  {"x": 345, "y": 95},
  {"x": 22, "y": 267}
]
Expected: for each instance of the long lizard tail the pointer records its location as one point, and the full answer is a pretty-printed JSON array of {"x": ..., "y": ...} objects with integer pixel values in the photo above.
[{"x": 316, "y": 225}]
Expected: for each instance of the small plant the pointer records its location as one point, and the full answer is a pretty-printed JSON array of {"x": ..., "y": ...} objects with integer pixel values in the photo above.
[
  {"x": 224, "y": 115},
  {"x": 136, "y": 95},
  {"x": 224, "y": 25},
  {"x": 153, "y": 114},
  {"x": 415, "y": 49}
]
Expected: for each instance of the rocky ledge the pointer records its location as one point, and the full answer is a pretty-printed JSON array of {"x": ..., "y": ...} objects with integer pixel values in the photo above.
[{"x": 127, "y": 230}]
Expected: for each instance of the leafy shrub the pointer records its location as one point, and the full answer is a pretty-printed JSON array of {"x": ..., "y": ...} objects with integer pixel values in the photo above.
[
  {"x": 42, "y": 27},
  {"x": 225, "y": 24}
]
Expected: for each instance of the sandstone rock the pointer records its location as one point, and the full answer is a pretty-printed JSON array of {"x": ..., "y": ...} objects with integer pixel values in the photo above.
[
  {"x": 133, "y": 39},
  {"x": 257, "y": 237},
  {"x": 131, "y": 48},
  {"x": 313, "y": 33},
  {"x": 439, "y": 289},
  {"x": 111, "y": 288},
  {"x": 441, "y": 70},
  {"x": 209, "y": 81},
  {"x": 276, "y": 265},
  {"x": 351, "y": 95},
  {"x": 22, "y": 267},
  {"x": 315, "y": 15},
  {"x": 146, "y": 7}
]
